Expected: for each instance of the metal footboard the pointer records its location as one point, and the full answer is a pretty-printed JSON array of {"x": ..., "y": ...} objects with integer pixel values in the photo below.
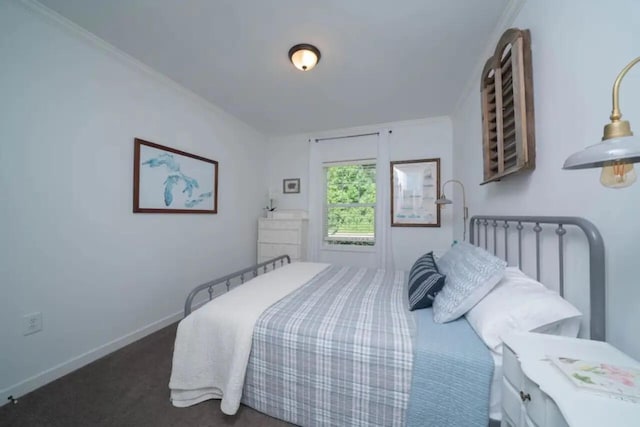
[{"x": 255, "y": 269}]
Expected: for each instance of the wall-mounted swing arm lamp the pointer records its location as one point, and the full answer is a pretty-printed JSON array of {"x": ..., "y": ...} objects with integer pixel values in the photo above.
[
  {"x": 618, "y": 150},
  {"x": 465, "y": 210}
]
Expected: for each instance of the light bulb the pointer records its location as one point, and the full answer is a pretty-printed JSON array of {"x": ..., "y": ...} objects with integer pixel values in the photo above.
[{"x": 619, "y": 175}]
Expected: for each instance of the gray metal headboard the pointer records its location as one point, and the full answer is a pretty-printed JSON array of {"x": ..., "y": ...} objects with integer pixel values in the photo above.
[{"x": 596, "y": 253}]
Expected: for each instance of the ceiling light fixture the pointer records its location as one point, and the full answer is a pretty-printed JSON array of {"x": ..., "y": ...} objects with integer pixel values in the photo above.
[
  {"x": 618, "y": 150},
  {"x": 304, "y": 56}
]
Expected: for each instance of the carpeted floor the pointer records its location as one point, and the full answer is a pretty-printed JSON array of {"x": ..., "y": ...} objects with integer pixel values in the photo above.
[{"x": 126, "y": 388}]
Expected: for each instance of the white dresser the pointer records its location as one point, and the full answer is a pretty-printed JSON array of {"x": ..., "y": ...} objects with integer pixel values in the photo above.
[
  {"x": 537, "y": 394},
  {"x": 285, "y": 233}
]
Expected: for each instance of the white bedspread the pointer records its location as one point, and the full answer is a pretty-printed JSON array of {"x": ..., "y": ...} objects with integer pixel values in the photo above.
[{"x": 213, "y": 343}]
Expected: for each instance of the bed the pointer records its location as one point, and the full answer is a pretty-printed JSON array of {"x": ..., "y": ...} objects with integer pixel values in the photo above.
[{"x": 316, "y": 344}]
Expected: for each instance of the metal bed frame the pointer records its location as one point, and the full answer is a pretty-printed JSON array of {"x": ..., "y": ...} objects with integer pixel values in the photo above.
[
  {"x": 491, "y": 223},
  {"x": 597, "y": 291},
  {"x": 255, "y": 269}
]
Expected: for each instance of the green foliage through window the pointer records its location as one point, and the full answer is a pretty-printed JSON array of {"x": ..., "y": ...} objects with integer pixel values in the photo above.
[{"x": 350, "y": 204}]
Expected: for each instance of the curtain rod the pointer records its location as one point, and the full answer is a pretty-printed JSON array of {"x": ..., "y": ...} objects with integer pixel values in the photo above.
[{"x": 347, "y": 136}]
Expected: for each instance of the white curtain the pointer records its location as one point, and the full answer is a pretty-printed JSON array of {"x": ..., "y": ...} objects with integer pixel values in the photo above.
[
  {"x": 316, "y": 205},
  {"x": 384, "y": 246}
]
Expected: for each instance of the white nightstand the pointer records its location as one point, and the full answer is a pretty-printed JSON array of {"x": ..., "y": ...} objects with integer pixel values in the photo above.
[{"x": 536, "y": 393}]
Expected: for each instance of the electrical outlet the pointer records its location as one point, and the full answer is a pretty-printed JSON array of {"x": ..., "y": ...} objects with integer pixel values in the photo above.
[{"x": 31, "y": 323}]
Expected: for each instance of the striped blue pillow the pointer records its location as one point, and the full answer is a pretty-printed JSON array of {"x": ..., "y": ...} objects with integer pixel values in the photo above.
[{"x": 425, "y": 281}]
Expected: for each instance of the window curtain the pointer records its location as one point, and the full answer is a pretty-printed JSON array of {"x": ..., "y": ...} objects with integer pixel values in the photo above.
[
  {"x": 346, "y": 149},
  {"x": 316, "y": 204},
  {"x": 384, "y": 246}
]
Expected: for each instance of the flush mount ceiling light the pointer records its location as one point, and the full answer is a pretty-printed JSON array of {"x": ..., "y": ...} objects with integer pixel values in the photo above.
[{"x": 304, "y": 56}]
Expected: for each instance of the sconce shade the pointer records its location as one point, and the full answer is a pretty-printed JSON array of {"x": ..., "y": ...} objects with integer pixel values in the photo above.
[
  {"x": 443, "y": 200},
  {"x": 625, "y": 149},
  {"x": 304, "y": 56},
  {"x": 619, "y": 149}
]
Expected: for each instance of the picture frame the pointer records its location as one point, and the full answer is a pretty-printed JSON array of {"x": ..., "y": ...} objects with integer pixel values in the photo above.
[
  {"x": 291, "y": 185},
  {"x": 166, "y": 180},
  {"x": 415, "y": 186}
]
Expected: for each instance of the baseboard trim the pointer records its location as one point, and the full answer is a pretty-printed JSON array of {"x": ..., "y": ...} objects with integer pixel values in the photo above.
[{"x": 64, "y": 368}]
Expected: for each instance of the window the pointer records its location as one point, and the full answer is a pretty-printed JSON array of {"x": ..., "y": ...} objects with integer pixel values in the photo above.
[{"x": 350, "y": 204}]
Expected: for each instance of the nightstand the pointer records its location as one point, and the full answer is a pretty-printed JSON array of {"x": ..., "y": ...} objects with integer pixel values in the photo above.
[{"x": 537, "y": 394}]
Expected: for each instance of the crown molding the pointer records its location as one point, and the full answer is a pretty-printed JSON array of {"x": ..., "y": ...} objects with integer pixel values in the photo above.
[
  {"x": 91, "y": 39},
  {"x": 354, "y": 130}
]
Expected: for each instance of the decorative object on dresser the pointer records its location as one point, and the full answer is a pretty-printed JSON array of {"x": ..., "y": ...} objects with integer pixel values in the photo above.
[
  {"x": 442, "y": 201},
  {"x": 291, "y": 185},
  {"x": 508, "y": 136},
  {"x": 619, "y": 149},
  {"x": 166, "y": 180},
  {"x": 283, "y": 233},
  {"x": 415, "y": 187},
  {"x": 535, "y": 392}
]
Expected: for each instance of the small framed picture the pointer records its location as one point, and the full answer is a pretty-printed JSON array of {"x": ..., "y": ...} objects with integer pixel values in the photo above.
[{"x": 291, "y": 185}]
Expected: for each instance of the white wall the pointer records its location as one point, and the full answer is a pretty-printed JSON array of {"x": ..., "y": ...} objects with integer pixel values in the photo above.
[
  {"x": 289, "y": 158},
  {"x": 578, "y": 49},
  {"x": 70, "y": 246}
]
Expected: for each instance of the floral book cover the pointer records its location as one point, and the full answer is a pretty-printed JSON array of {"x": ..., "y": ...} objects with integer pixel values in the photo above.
[{"x": 616, "y": 381}]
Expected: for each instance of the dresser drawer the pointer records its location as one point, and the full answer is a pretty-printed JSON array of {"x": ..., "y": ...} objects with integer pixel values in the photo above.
[
  {"x": 511, "y": 368},
  {"x": 528, "y": 422},
  {"x": 507, "y": 422},
  {"x": 537, "y": 403},
  {"x": 279, "y": 224},
  {"x": 511, "y": 403},
  {"x": 269, "y": 250},
  {"x": 554, "y": 416},
  {"x": 278, "y": 236}
]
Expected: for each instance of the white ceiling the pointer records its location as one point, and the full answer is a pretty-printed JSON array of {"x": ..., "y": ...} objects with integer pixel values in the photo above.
[{"x": 382, "y": 60}]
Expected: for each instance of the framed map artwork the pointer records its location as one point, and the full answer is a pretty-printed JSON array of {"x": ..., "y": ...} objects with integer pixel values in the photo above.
[
  {"x": 415, "y": 188},
  {"x": 166, "y": 180}
]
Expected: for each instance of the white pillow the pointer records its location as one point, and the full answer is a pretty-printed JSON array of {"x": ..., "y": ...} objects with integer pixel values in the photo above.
[{"x": 519, "y": 303}]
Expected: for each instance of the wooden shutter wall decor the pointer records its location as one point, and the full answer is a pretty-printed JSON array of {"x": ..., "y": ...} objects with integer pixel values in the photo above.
[{"x": 507, "y": 108}]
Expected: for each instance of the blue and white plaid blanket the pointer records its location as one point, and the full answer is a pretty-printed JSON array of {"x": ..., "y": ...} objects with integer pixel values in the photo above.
[{"x": 338, "y": 351}]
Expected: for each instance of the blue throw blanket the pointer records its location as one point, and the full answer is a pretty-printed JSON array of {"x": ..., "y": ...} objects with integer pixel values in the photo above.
[{"x": 452, "y": 372}]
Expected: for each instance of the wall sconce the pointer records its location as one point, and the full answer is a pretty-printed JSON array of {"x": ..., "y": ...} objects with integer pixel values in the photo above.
[
  {"x": 465, "y": 210},
  {"x": 304, "y": 56},
  {"x": 618, "y": 150}
]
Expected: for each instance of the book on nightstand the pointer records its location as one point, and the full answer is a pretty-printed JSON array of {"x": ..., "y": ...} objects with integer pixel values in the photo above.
[{"x": 615, "y": 381}]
